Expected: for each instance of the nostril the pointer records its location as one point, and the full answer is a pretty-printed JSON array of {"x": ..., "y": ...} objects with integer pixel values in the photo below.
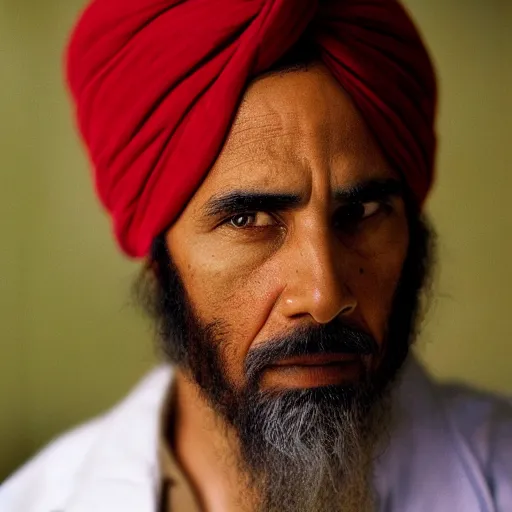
[{"x": 347, "y": 309}]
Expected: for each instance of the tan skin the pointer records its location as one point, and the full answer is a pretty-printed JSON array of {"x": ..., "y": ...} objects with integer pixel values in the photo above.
[{"x": 267, "y": 273}]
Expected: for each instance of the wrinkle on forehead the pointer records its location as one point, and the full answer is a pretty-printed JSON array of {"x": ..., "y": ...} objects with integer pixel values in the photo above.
[
  {"x": 281, "y": 103},
  {"x": 289, "y": 126}
]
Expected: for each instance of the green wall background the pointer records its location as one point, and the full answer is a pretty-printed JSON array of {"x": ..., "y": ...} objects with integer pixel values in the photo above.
[{"x": 71, "y": 343}]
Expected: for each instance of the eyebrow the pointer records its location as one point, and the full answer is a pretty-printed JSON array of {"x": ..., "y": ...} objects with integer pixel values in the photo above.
[
  {"x": 370, "y": 190},
  {"x": 238, "y": 201}
]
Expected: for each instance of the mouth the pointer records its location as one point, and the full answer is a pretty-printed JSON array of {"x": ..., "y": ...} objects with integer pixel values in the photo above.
[
  {"x": 319, "y": 360},
  {"x": 315, "y": 370}
]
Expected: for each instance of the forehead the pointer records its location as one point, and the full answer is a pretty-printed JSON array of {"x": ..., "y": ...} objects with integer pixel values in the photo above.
[{"x": 292, "y": 128}]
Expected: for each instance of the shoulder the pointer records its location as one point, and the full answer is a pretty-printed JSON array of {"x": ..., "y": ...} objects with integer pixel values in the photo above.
[
  {"x": 46, "y": 483},
  {"x": 454, "y": 442},
  {"x": 483, "y": 418},
  {"x": 482, "y": 422}
]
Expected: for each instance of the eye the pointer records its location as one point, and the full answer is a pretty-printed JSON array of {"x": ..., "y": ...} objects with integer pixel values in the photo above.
[
  {"x": 351, "y": 214},
  {"x": 250, "y": 220}
]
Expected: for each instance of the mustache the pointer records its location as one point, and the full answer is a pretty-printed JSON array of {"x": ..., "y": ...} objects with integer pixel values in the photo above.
[{"x": 334, "y": 337}]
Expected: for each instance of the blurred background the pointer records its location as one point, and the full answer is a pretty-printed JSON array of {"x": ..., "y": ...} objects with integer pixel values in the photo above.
[{"x": 71, "y": 341}]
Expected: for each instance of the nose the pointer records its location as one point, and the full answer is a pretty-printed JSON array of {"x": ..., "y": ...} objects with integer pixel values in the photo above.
[{"x": 316, "y": 285}]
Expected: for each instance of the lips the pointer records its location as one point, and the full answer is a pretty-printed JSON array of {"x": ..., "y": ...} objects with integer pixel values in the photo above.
[
  {"x": 314, "y": 370},
  {"x": 319, "y": 360}
]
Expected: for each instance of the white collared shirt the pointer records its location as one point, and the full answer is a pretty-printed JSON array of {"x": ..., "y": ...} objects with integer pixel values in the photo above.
[{"x": 451, "y": 451}]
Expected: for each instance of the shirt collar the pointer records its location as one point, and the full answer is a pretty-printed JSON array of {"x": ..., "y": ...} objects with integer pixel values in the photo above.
[{"x": 177, "y": 491}]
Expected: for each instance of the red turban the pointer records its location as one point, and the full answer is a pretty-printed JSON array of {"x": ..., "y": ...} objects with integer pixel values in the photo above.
[{"x": 157, "y": 84}]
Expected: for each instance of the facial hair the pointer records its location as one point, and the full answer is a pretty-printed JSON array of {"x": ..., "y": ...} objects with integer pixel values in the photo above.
[
  {"x": 309, "y": 449},
  {"x": 301, "y": 450}
]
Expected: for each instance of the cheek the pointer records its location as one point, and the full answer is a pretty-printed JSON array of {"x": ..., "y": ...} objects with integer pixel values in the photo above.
[
  {"x": 237, "y": 289},
  {"x": 375, "y": 278}
]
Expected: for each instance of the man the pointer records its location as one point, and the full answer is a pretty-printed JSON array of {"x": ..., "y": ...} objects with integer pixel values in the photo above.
[{"x": 270, "y": 161}]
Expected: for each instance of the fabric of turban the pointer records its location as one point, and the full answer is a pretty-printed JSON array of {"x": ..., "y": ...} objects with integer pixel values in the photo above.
[{"x": 157, "y": 84}]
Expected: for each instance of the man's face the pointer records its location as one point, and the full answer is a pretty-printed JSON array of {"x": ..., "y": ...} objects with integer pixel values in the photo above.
[
  {"x": 288, "y": 290},
  {"x": 299, "y": 223}
]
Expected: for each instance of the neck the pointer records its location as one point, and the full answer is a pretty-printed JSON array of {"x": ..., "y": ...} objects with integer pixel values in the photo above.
[{"x": 205, "y": 450}]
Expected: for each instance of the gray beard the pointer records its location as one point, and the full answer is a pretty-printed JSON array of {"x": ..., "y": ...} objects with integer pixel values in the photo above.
[
  {"x": 303, "y": 451},
  {"x": 299, "y": 450}
]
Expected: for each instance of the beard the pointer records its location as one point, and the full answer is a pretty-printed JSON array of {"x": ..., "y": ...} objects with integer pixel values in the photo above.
[{"x": 299, "y": 450}]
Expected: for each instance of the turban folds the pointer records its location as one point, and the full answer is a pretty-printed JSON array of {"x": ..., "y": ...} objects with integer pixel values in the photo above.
[{"x": 157, "y": 83}]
